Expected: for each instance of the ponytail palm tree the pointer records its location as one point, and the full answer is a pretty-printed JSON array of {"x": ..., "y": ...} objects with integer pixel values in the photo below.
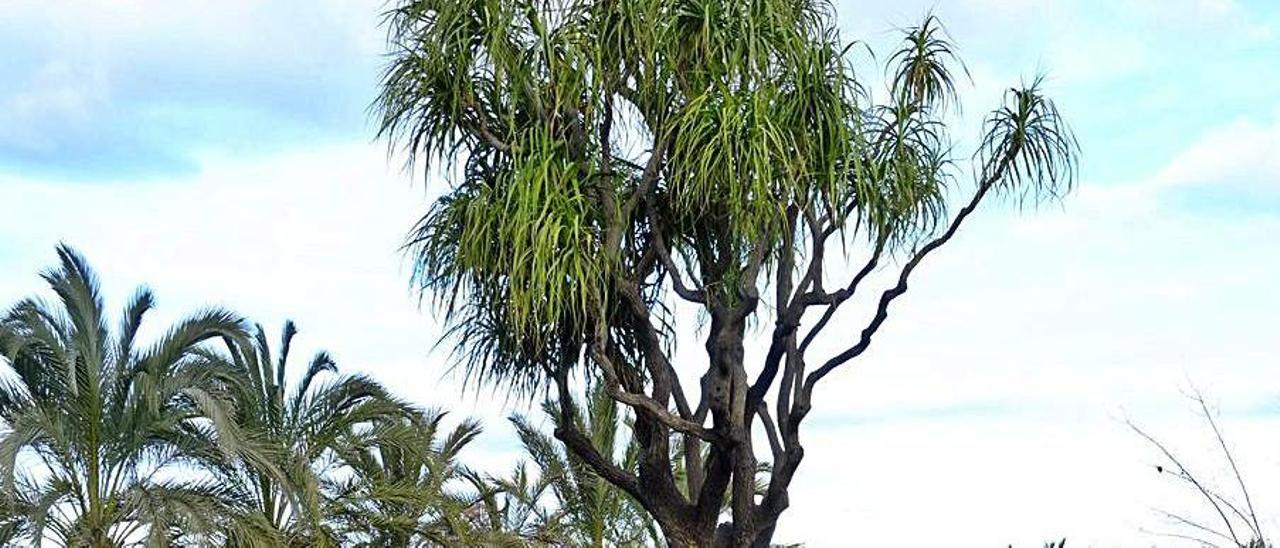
[
  {"x": 105, "y": 441},
  {"x": 306, "y": 421},
  {"x": 612, "y": 159}
]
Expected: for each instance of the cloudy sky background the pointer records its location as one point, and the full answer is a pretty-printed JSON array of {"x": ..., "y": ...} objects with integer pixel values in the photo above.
[{"x": 220, "y": 152}]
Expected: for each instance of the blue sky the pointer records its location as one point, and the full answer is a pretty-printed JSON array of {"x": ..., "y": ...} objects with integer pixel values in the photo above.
[
  {"x": 136, "y": 91},
  {"x": 220, "y": 152}
]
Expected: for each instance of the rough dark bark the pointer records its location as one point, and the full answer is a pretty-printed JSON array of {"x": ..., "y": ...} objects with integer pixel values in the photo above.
[
  {"x": 734, "y": 403},
  {"x": 686, "y": 223}
]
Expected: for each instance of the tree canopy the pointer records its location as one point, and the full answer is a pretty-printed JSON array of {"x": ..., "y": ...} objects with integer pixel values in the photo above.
[
  {"x": 199, "y": 437},
  {"x": 607, "y": 157},
  {"x": 96, "y": 423}
]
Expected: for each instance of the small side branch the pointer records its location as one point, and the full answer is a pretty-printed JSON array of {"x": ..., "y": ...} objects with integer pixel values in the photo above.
[
  {"x": 838, "y": 298},
  {"x": 770, "y": 431},
  {"x": 645, "y": 404},
  {"x": 886, "y": 298},
  {"x": 567, "y": 431},
  {"x": 1186, "y": 475}
]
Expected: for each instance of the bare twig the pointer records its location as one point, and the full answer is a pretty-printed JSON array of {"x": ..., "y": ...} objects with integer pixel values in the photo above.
[
  {"x": 1231, "y": 531},
  {"x": 1235, "y": 470}
]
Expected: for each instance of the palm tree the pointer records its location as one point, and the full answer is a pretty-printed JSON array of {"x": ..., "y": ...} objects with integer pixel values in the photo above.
[
  {"x": 105, "y": 441},
  {"x": 517, "y": 510},
  {"x": 589, "y": 511},
  {"x": 307, "y": 425},
  {"x": 404, "y": 486}
]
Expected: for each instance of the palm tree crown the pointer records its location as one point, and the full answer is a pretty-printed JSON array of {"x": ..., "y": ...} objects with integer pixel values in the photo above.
[
  {"x": 307, "y": 425},
  {"x": 406, "y": 485},
  {"x": 97, "y": 426}
]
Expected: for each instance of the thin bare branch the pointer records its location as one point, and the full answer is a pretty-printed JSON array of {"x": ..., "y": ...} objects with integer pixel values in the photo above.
[
  {"x": 644, "y": 404},
  {"x": 770, "y": 431},
  {"x": 1235, "y": 470},
  {"x": 1185, "y": 474},
  {"x": 1204, "y": 543},
  {"x": 1194, "y": 525}
]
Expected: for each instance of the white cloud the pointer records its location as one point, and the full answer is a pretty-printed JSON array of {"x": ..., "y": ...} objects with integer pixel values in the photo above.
[
  {"x": 137, "y": 88},
  {"x": 1244, "y": 153},
  {"x": 58, "y": 91},
  {"x": 986, "y": 412}
]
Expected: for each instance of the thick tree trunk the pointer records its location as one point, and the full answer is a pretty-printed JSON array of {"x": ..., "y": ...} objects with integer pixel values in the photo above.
[
  {"x": 730, "y": 469},
  {"x": 678, "y": 537},
  {"x": 724, "y": 535}
]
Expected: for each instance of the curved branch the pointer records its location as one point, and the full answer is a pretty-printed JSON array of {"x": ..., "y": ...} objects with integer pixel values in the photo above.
[
  {"x": 770, "y": 431},
  {"x": 886, "y": 298},
  {"x": 567, "y": 431},
  {"x": 834, "y": 300},
  {"x": 482, "y": 129},
  {"x": 693, "y": 295},
  {"x": 644, "y": 404}
]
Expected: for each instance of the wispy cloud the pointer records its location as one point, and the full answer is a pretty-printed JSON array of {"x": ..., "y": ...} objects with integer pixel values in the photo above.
[
  {"x": 1245, "y": 152},
  {"x": 108, "y": 90},
  {"x": 985, "y": 410}
]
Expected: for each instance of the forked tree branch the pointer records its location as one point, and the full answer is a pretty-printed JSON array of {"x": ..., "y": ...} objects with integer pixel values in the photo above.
[
  {"x": 789, "y": 317},
  {"x": 834, "y": 300},
  {"x": 813, "y": 274},
  {"x": 886, "y": 298},
  {"x": 1186, "y": 475},
  {"x": 644, "y": 404},
  {"x": 567, "y": 431}
]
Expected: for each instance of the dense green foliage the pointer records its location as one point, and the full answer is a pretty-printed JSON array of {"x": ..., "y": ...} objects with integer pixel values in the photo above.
[
  {"x": 203, "y": 437},
  {"x": 95, "y": 424},
  {"x": 306, "y": 426},
  {"x": 404, "y": 486},
  {"x": 606, "y": 158},
  {"x": 742, "y": 111}
]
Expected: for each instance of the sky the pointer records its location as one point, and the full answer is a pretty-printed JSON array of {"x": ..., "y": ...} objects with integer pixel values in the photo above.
[{"x": 221, "y": 153}]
